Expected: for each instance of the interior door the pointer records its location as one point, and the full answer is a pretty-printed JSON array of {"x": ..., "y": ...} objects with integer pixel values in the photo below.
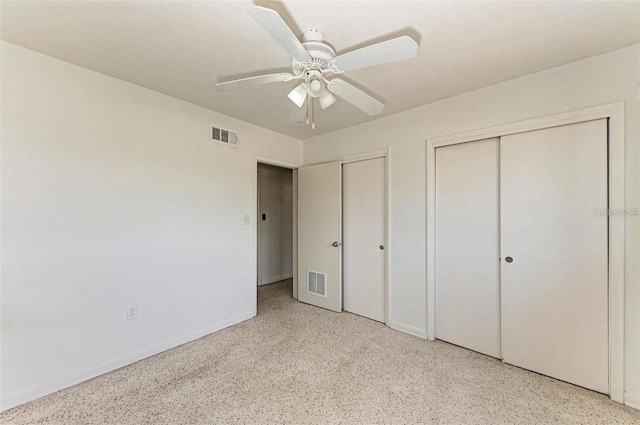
[
  {"x": 468, "y": 245},
  {"x": 320, "y": 235},
  {"x": 554, "y": 252},
  {"x": 364, "y": 234}
]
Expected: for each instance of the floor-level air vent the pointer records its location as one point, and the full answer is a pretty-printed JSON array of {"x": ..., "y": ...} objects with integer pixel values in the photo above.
[
  {"x": 317, "y": 283},
  {"x": 224, "y": 136}
]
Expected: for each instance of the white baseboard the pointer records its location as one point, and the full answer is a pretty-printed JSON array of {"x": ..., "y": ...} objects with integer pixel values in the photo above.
[
  {"x": 431, "y": 334},
  {"x": 276, "y": 279},
  {"x": 411, "y": 330},
  {"x": 13, "y": 400},
  {"x": 632, "y": 400}
]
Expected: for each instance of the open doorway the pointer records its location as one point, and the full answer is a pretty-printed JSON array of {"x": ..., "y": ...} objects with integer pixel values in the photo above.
[{"x": 275, "y": 230}]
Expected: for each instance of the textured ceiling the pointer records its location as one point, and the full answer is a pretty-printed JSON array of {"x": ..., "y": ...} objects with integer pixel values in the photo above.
[{"x": 182, "y": 48}]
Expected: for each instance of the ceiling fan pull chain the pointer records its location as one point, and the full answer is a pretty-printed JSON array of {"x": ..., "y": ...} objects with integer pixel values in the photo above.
[{"x": 313, "y": 113}]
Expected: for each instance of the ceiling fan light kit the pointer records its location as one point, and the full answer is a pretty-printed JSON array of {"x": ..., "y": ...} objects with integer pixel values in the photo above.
[
  {"x": 298, "y": 95},
  {"x": 327, "y": 99},
  {"x": 315, "y": 63}
]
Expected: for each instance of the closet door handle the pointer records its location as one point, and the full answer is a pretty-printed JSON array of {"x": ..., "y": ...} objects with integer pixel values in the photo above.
[
  {"x": 336, "y": 244},
  {"x": 508, "y": 259}
]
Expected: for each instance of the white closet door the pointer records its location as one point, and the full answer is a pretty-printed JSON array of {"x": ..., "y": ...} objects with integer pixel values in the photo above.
[
  {"x": 363, "y": 234},
  {"x": 467, "y": 246},
  {"x": 554, "y": 279},
  {"x": 320, "y": 235}
]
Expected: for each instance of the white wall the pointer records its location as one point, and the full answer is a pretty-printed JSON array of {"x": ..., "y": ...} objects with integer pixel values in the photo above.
[
  {"x": 275, "y": 234},
  {"x": 113, "y": 196},
  {"x": 602, "y": 79}
]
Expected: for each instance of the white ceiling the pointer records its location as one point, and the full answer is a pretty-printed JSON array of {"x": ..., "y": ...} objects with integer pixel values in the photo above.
[{"x": 182, "y": 48}]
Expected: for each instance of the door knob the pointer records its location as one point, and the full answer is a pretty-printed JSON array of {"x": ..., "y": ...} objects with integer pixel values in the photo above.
[
  {"x": 336, "y": 244},
  {"x": 381, "y": 247},
  {"x": 508, "y": 259}
]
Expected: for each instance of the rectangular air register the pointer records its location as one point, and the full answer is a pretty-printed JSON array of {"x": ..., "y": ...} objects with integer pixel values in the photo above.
[
  {"x": 220, "y": 135},
  {"x": 317, "y": 283}
]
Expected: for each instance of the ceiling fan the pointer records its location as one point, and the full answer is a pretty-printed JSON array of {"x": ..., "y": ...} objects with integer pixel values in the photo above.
[{"x": 314, "y": 63}]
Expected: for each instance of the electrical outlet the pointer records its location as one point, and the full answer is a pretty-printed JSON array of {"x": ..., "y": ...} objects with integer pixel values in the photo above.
[
  {"x": 247, "y": 219},
  {"x": 132, "y": 313}
]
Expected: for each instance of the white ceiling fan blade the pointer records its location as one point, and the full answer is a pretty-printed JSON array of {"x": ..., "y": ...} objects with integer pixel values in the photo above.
[
  {"x": 355, "y": 96},
  {"x": 392, "y": 50},
  {"x": 254, "y": 81},
  {"x": 298, "y": 114},
  {"x": 280, "y": 31}
]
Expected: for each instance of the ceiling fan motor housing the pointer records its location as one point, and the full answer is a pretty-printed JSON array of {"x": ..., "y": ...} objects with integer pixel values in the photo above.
[{"x": 321, "y": 54}]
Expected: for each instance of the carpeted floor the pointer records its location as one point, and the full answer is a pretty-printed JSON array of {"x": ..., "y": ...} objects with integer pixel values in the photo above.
[{"x": 295, "y": 363}]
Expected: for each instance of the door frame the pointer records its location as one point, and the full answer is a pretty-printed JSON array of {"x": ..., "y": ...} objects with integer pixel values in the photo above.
[
  {"x": 615, "y": 114},
  {"x": 364, "y": 156},
  {"x": 260, "y": 159}
]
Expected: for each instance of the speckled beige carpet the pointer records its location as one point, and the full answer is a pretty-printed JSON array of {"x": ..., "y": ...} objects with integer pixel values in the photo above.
[{"x": 295, "y": 363}]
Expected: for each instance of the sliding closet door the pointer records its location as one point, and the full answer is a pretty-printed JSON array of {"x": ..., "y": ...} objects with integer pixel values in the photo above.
[
  {"x": 467, "y": 246},
  {"x": 554, "y": 252}
]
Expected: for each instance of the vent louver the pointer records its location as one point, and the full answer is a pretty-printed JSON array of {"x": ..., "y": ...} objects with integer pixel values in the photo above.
[
  {"x": 224, "y": 136},
  {"x": 317, "y": 283}
]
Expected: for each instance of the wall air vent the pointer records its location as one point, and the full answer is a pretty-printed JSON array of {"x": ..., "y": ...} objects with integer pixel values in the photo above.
[
  {"x": 317, "y": 283},
  {"x": 221, "y": 135}
]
